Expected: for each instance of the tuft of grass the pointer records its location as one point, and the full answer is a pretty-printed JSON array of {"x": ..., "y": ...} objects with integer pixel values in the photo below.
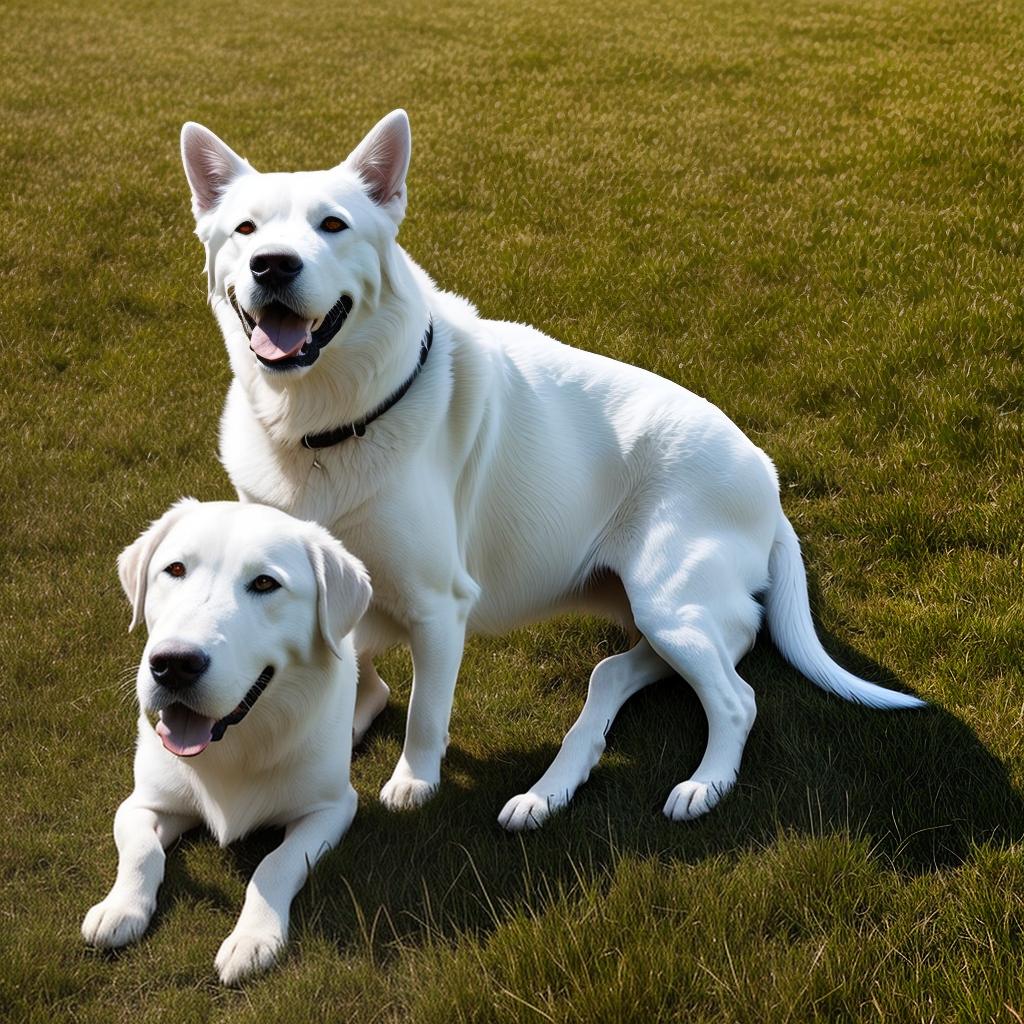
[{"x": 809, "y": 213}]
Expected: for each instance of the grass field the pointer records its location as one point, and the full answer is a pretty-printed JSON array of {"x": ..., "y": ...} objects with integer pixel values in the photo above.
[{"x": 813, "y": 214}]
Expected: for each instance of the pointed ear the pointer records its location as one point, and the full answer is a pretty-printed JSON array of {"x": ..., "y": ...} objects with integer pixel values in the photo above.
[
  {"x": 210, "y": 166},
  {"x": 133, "y": 562},
  {"x": 342, "y": 585},
  {"x": 382, "y": 161}
]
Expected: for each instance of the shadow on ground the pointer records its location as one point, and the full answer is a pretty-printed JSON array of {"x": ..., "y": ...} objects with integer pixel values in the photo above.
[{"x": 918, "y": 785}]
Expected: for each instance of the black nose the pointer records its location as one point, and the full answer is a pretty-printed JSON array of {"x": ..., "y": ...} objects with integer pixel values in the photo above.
[
  {"x": 175, "y": 665},
  {"x": 275, "y": 268}
]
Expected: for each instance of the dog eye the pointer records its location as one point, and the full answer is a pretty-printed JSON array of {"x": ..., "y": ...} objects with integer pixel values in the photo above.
[
  {"x": 333, "y": 225},
  {"x": 263, "y": 585},
  {"x": 175, "y": 569},
  {"x": 245, "y": 228}
]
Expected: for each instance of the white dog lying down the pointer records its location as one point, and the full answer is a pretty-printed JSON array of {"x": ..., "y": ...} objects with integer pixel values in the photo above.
[
  {"x": 487, "y": 475},
  {"x": 252, "y": 674}
]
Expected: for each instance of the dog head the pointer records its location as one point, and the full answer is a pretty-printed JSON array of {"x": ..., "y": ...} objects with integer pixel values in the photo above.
[
  {"x": 291, "y": 257},
  {"x": 233, "y": 595}
]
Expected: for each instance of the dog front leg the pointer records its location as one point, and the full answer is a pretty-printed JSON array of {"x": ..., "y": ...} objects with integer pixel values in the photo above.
[
  {"x": 436, "y": 655},
  {"x": 262, "y": 927},
  {"x": 371, "y": 697},
  {"x": 142, "y": 834}
]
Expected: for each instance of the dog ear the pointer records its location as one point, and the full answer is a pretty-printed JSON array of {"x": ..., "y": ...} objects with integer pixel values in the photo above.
[
  {"x": 342, "y": 585},
  {"x": 210, "y": 166},
  {"x": 382, "y": 161},
  {"x": 133, "y": 562}
]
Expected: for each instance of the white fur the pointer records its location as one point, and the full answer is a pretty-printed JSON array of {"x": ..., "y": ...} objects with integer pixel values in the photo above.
[
  {"x": 287, "y": 762},
  {"x": 517, "y": 478}
]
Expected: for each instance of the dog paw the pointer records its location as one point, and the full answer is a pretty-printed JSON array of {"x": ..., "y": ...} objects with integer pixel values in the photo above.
[
  {"x": 115, "y": 922},
  {"x": 404, "y": 793},
  {"x": 527, "y": 811},
  {"x": 245, "y": 953},
  {"x": 691, "y": 799}
]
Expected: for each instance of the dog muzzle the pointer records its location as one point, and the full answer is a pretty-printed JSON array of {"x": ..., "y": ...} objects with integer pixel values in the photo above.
[
  {"x": 281, "y": 339},
  {"x": 185, "y": 732}
]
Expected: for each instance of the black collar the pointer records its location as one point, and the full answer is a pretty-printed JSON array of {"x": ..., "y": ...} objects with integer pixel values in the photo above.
[
  {"x": 221, "y": 726},
  {"x": 357, "y": 429}
]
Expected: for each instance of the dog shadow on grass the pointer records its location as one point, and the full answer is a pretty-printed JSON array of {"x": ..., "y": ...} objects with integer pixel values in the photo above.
[{"x": 919, "y": 786}]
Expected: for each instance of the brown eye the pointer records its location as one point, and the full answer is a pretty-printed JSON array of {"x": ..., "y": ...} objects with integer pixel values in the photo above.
[
  {"x": 175, "y": 569},
  {"x": 245, "y": 228},
  {"x": 263, "y": 585},
  {"x": 333, "y": 225}
]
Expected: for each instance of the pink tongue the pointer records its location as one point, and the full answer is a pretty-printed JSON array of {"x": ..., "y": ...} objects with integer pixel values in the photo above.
[
  {"x": 278, "y": 334},
  {"x": 183, "y": 732}
]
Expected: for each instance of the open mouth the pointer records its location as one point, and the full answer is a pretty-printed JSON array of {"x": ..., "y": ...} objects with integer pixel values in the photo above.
[
  {"x": 185, "y": 732},
  {"x": 281, "y": 339}
]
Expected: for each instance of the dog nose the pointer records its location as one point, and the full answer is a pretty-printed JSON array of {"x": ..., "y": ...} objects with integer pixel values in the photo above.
[
  {"x": 176, "y": 665},
  {"x": 275, "y": 268}
]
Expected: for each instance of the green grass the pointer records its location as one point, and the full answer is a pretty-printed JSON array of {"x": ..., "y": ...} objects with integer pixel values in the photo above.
[{"x": 813, "y": 214}]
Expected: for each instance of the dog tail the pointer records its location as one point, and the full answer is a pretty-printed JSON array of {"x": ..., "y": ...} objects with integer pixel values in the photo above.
[{"x": 789, "y": 621}]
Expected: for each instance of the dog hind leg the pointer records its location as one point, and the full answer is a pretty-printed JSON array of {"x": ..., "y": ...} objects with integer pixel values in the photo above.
[
  {"x": 691, "y": 645},
  {"x": 612, "y": 683},
  {"x": 691, "y": 599}
]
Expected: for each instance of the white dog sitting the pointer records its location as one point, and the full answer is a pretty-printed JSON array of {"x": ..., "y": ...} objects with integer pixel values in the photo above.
[
  {"x": 487, "y": 475},
  {"x": 252, "y": 676}
]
